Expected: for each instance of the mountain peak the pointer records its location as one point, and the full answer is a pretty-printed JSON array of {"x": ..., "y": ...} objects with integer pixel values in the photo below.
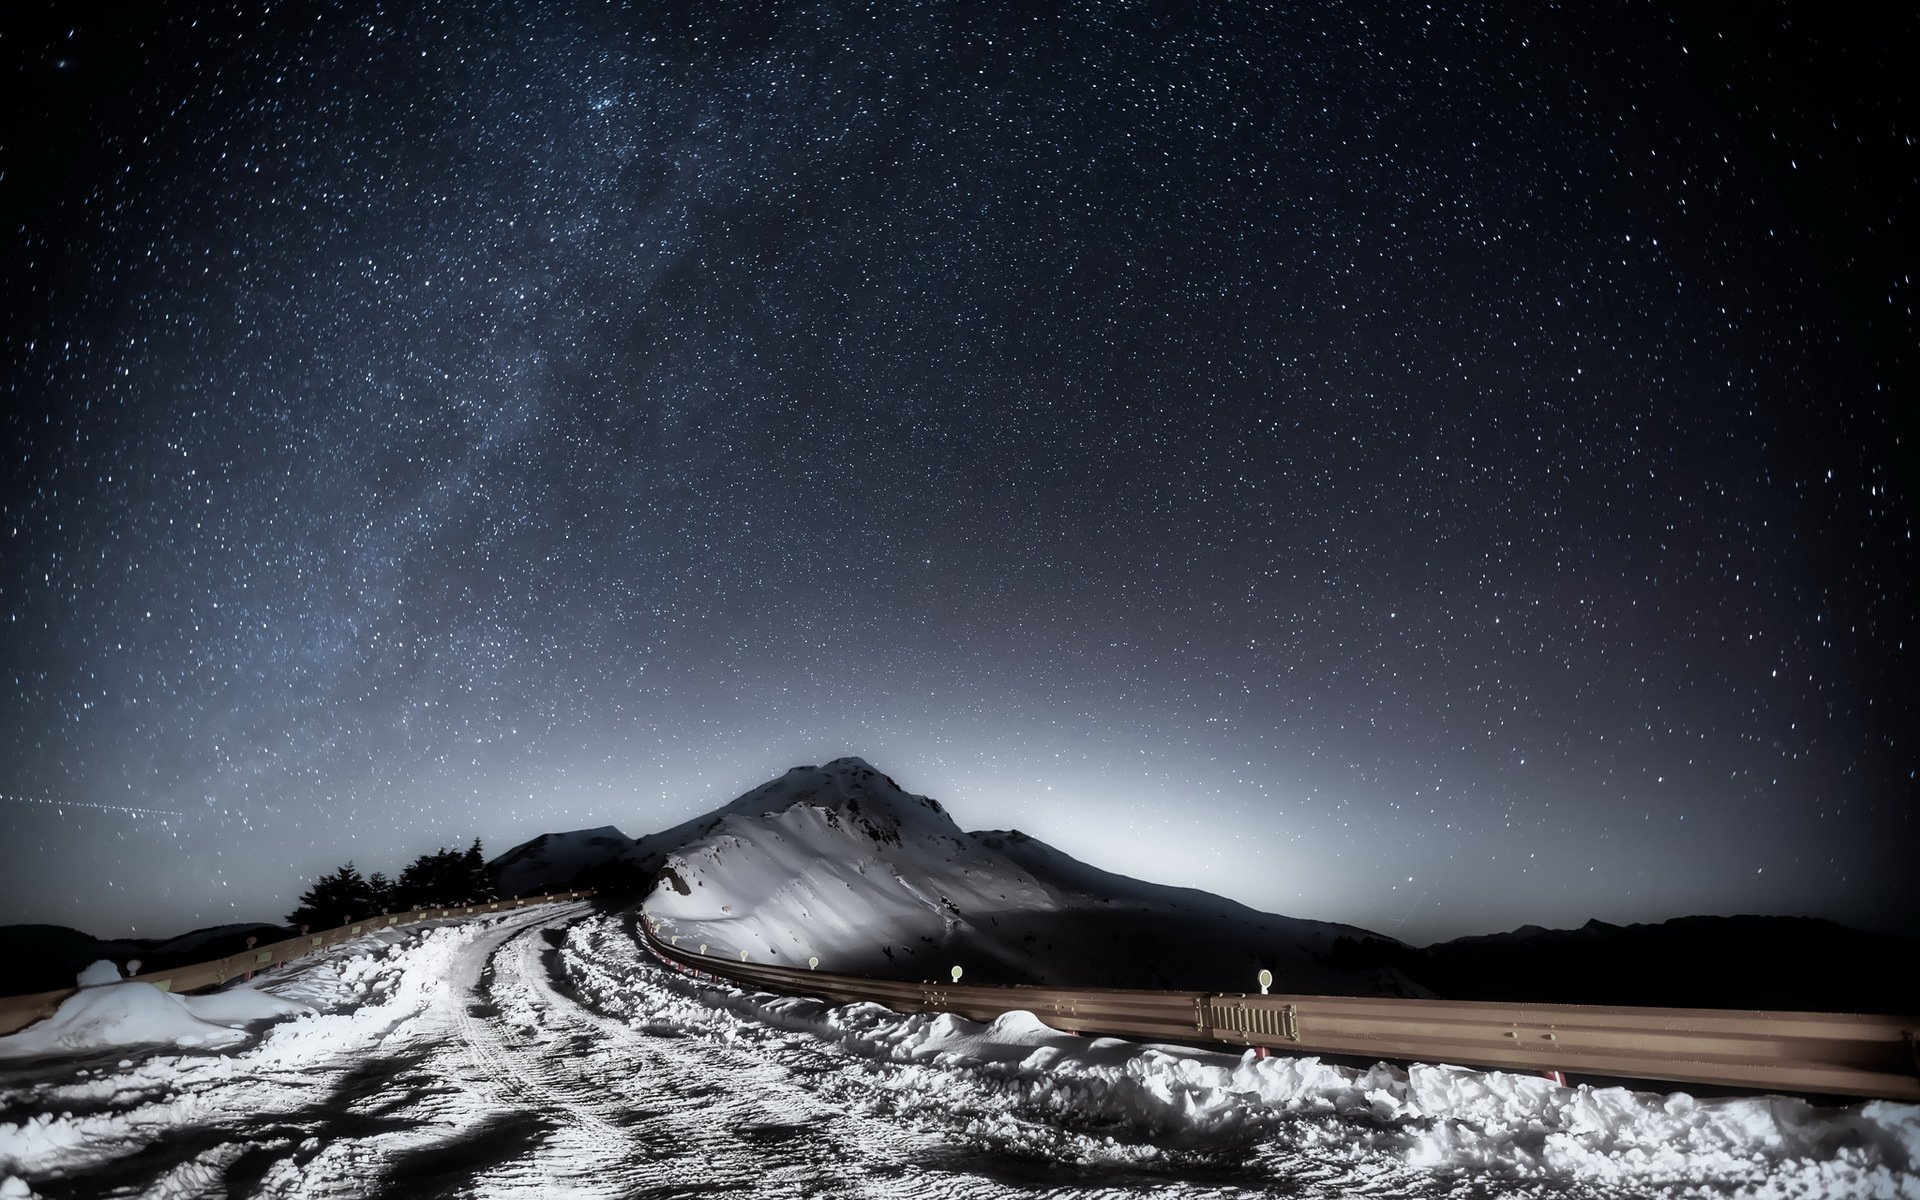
[{"x": 841, "y": 864}]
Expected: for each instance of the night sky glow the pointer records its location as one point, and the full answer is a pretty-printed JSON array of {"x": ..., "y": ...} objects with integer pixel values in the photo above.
[{"x": 1432, "y": 467}]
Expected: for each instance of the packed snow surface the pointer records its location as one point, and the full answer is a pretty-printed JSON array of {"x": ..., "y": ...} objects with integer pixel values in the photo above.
[{"x": 544, "y": 1053}]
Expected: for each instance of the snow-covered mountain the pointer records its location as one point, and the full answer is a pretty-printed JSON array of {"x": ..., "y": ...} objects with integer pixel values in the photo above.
[
  {"x": 838, "y": 863},
  {"x": 606, "y": 857}
]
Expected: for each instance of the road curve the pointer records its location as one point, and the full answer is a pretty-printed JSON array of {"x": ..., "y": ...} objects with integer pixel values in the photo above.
[{"x": 546, "y": 1053}]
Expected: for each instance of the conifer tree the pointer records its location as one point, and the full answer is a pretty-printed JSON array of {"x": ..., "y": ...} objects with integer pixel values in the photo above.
[
  {"x": 379, "y": 893},
  {"x": 334, "y": 899},
  {"x": 474, "y": 867}
]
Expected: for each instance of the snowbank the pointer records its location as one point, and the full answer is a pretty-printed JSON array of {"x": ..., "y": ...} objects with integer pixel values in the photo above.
[
  {"x": 126, "y": 1013},
  {"x": 1421, "y": 1123},
  {"x": 339, "y": 1004},
  {"x": 1452, "y": 1120}
]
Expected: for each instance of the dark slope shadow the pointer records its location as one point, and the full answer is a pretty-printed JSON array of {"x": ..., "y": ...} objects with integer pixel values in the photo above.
[
  {"x": 449, "y": 1167},
  {"x": 376, "y": 1077},
  {"x": 1037, "y": 1172},
  {"x": 270, "y": 1137}
]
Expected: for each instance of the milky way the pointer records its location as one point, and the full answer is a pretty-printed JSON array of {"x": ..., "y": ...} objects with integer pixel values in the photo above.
[{"x": 1436, "y": 468}]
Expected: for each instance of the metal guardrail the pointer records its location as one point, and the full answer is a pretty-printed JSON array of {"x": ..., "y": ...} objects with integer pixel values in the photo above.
[
  {"x": 18, "y": 1012},
  {"x": 1842, "y": 1054},
  {"x": 1846, "y": 1054}
]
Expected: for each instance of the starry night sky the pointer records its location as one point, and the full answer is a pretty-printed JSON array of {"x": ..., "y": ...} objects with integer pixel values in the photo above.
[{"x": 1436, "y": 467}]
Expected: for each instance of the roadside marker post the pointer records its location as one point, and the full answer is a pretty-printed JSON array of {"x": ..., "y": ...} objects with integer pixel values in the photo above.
[{"x": 1266, "y": 981}]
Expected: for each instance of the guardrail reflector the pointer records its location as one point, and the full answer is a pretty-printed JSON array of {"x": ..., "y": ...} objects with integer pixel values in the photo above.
[
  {"x": 265, "y": 956},
  {"x": 314, "y": 942},
  {"x": 355, "y": 929},
  {"x": 165, "y": 985}
]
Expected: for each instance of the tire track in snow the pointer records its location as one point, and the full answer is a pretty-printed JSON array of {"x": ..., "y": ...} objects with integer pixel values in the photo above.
[
  {"x": 689, "y": 1109},
  {"x": 961, "y": 1139}
]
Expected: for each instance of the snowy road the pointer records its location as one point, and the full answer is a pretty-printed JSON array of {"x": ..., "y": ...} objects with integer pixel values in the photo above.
[{"x": 544, "y": 1054}]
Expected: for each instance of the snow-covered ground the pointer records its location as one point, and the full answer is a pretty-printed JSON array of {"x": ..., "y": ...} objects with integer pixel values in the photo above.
[{"x": 544, "y": 1053}]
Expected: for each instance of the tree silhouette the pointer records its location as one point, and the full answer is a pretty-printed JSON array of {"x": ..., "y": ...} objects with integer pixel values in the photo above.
[
  {"x": 334, "y": 899},
  {"x": 379, "y": 892},
  {"x": 446, "y": 877},
  {"x": 474, "y": 865}
]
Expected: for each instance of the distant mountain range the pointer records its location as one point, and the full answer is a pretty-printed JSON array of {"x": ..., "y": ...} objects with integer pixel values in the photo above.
[
  {"x": 1789, "y": 963},
  {"x": 41, "y": 958}
]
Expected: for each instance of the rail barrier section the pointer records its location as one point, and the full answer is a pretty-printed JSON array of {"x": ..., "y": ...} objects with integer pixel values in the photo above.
[
  {"x": 1840, "y": 1054},
  {"x": 18, "y": 1012}
]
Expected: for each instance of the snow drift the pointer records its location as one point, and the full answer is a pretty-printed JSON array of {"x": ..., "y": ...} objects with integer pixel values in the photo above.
[{"x": 127, "y": 1013}]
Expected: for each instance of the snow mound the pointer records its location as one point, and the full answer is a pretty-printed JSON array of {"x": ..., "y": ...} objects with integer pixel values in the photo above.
[
  {"x": 839, "y": 863},
  {"x": 126, "y": 1013},
  {"x": 97, "y": 973}
]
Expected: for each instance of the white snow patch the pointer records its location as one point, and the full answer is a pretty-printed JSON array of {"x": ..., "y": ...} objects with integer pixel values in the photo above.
[
  {"x": 335, "y": 1005},
  {"x": 127, "y": 1013},
  {"x": 96, "y": 973}
]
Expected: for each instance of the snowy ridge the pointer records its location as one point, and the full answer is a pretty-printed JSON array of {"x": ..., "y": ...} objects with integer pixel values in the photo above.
[
  {"x": 556, "y": 862},
  {"x": 838, "y": 863}
]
